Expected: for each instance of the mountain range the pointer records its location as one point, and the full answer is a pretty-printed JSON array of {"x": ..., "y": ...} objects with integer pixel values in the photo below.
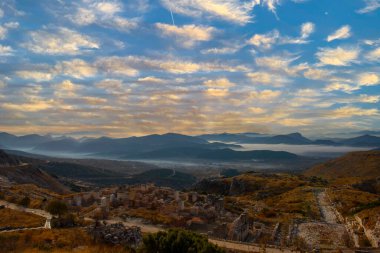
[{"x": 175, "y": 146}]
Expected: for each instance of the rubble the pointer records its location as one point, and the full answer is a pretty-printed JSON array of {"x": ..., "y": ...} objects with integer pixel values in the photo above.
[{"x": 116, "y": 234}]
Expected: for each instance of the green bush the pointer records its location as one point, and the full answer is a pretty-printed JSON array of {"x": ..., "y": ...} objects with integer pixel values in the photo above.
[{"x": 178, "y": 241}]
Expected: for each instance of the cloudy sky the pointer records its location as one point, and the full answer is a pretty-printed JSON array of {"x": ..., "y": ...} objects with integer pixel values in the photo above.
[{"x": 135, "y": 67}]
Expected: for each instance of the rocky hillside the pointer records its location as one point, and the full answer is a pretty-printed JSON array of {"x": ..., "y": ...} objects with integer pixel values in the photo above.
[
  {"x": 356, "y": 164},
  {"x": 7, "y": 161},
  {"x": 16, "y": 172}
]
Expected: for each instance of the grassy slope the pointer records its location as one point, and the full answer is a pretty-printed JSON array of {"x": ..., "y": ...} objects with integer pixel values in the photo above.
[
  {"x": 13, "y": 218},
  {"x": 356, "y": 164}
]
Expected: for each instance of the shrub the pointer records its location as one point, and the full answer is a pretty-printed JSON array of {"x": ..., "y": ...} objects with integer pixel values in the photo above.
[
  {"x": 56, "y": 207},
  {"x": 177, "y": 241}
]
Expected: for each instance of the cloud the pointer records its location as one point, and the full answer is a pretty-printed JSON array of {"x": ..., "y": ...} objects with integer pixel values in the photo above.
[
  {"x": 307, "y": 29},
  {"x": 219, "y": 87},
  {"x": 187, "y": 35},
  {"x": 368, "y": 79},
  {"x": 219, "y": 83},
  {"x": 295, "y": 122},
  {"x": 66, "y": 89},
  {"x": 257, "y": 110},
  {"x": 76, "y": 68},
  {"x": 116, "y": 66},
  {"x": 337, "y": 56},
  {"x": 280, "y": 64},
  {"x": 38, "y": 76},
  {"x": 32, "y": 106},
  {"x": 267, "y": 78},
  {"x": 151, "y": 79},
  {"x": 374, "y": 55},
  {"x": 5, "y": 28},
  {"x": 222, "y": 50},
  {"x": 235, "y": 11},
  {"x": 317, "y": 74},
  {"x": 102, "y": 13},
  {"x": 370, "y": 5},
  {"x": 2, "y": 84},
  {"x": 6, "y": 50},
  {"x": 113, "y": 86},
  {"x": 132, "y": 65},
  {"x": 59, "y": 41},
  {"x": 351, "y": 111},
  {"x": 267, "y": 40},
  {"x": 342, "y": 33},
  {"x": 348, "y": 88},
  {"x": 217, "y": 92},
  {"x": 264, "y": 41},
  {"x": 368, "y": 99},
  {"x": 264, "y": 95}
]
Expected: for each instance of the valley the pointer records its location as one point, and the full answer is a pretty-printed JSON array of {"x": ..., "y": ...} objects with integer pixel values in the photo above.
[{"x": 253, "y": 208}]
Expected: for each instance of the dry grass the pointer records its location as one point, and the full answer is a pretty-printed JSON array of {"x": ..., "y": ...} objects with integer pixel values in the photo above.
[
  {"x": 348, "y": 199},
  {"x": 298, "y": 203},
  {"x": 13, "y": 218},
  {"x": 155, "y": 216},
  {"x": 56, "y": 241}
]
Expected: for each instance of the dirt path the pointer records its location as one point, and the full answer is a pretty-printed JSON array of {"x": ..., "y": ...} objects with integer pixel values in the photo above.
[
  {"x": 326, "y": 208},
  {"x": 38, "y": 212}
]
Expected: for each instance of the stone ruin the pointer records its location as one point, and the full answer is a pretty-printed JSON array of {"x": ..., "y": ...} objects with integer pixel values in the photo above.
[
  {"x": 116, "y": 234},
  {"x": 240, "y": 228}
]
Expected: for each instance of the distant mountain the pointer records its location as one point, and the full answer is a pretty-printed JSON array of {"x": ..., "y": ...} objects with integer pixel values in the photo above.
[
  {"x": 362, "y": 141},
  {"x": 26, "y": 141},
  {"x": 292, "y": 139},
  {"x": 63, "y": 145},
  {"x": 356, "y": 164},
  {"x": 325, "y": 142},
  {"x": 165, "y": 144},
  {"x": 226, "y": 137},
  {"x": 262, "y": 155}
]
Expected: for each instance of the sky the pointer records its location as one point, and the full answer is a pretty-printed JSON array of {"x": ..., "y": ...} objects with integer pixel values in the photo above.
[{"x": 137, "y": 67}]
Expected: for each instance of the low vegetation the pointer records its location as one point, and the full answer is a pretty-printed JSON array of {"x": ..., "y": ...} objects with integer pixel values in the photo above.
[
  {"x": 178, "y": 241},
  {"x": 14, "y": 219}
]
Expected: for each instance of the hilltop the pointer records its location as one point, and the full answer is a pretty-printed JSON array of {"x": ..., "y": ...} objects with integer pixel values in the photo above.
[{"x": 364, "y": 164}]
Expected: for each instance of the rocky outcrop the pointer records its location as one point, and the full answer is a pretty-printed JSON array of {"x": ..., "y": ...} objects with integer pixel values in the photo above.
[
  {"x": 7, "y": 160},
  {"x": 240, "y": 228},
  {"x": 116, "y": 234},
  {"x": 237, "y": 187}
]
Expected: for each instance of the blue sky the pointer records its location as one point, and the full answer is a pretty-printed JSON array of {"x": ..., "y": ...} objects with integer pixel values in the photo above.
[{"x": 122, "y": 68}]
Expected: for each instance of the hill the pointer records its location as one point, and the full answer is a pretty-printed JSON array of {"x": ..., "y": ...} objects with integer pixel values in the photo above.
[
  {"x": 22, "y": 173},
  {"x": 7, "y": 161},
  {"x": 356, "y": 164},
  {"x": 263, "y": 155},
  {"x": 362, "y": 141},
  {"x": 164, "y": 177}
]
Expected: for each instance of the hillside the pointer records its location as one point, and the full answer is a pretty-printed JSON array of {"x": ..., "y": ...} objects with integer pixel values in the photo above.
[
  {"x": 6, "y": 160},
  {"x": 18, "y": 173},
  {"x": 356, "y": 164}
]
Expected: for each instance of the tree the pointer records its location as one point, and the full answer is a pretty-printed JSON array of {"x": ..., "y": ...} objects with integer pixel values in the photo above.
[
  {"x": 178, "y": 241},
  {"x": 56, "y": 207}
]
